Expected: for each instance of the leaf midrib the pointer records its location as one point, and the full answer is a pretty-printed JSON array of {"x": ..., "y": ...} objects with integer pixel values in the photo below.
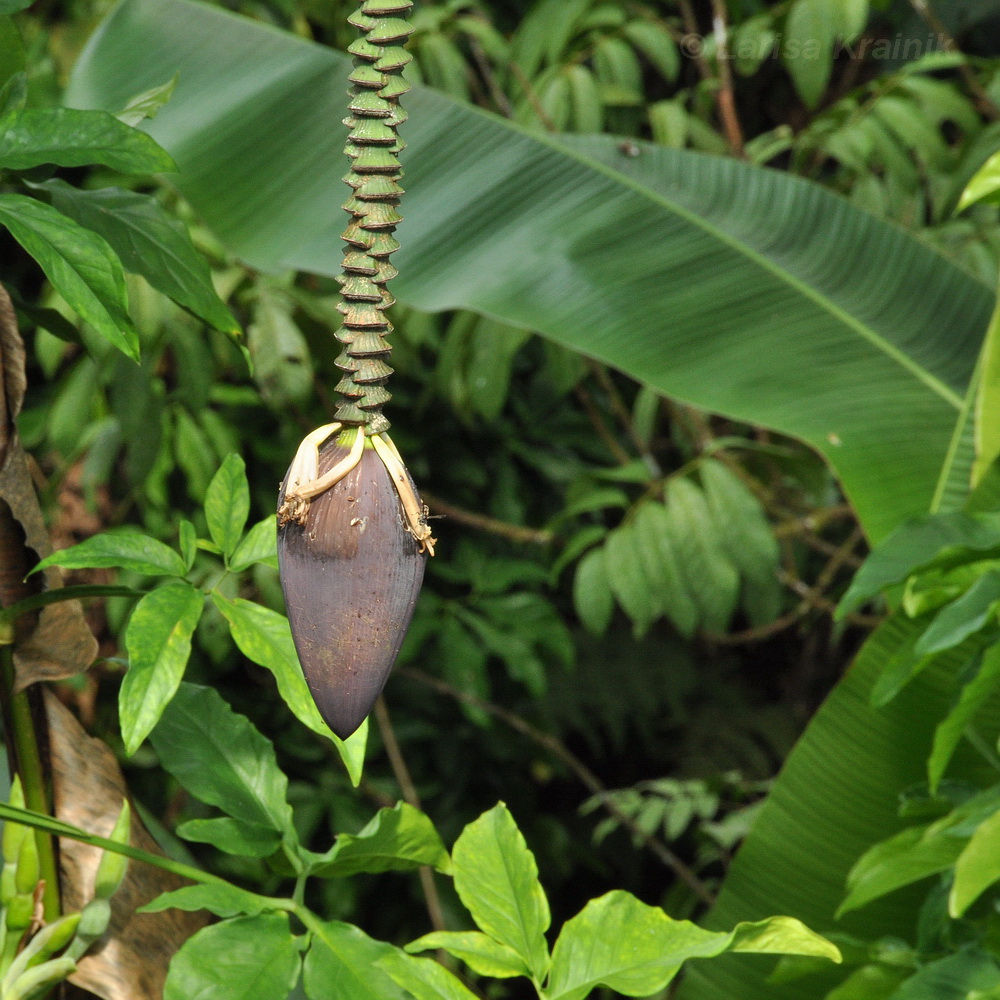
[
  {"x": 740, "y": 246},
  {"x": 937, "y": 386}
]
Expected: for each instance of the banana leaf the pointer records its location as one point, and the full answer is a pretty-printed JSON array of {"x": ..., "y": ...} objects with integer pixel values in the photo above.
[
  {"x": 741, "y": 290},
  {"x": 835, "y": 797}
]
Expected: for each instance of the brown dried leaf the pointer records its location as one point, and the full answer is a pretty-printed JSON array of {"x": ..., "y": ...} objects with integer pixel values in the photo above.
[
  {"x": 130, "y": 962},
  {"x": 59, "y": 644},
  {"x": 12, "y": 349}
]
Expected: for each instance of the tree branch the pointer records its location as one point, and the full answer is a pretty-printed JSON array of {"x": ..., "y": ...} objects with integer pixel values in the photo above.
[{"x": 587, "y": 777}]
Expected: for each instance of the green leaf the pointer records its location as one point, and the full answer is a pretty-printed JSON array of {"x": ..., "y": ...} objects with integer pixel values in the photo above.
[
  {"x": 987, "y": 404},
  {"x": 870, "y": 982},
  {"x": 232, "y": 836},
  {"x": 147, "y": 104},
  {"x": 342, "y": 964},
  {"x": 627, "y": 578},
  {"x": 914, "y": 545},
  {"x": 80, "y": 264},
  {"x": 424, "y": 978},
  {"x": 220, "y": 758},
  {"x": 585, "y": 100},
  {"x": 965, "y": 616},
  {"x": 227, "y": 504},
  {"x": 281, "y": 363},
  {"x": 965, "y": 976},
  {"x": 158, "y": 640},
  {"x": 977, "y": 867},
  {"x": 852, "y": 16},
  {"x": 480, "y": 953},
  {"x": 808, "y": 48},
  {"x": 619, "y": 72},
  {"x": 661, "y": 554},
  {"x": 122, "y": 549},
  {"x": 69, "y": 138},
  {"x": 741, "y": 520},
  {"x": 668, "y": 121},
  {"x": 656, "y": 43},
  {"x": 14, "y": 93},
  {"x": 222, "y": 900},
  {"x": 835, "y": 798},
  {"x": 907, "y": 857},
  {"x": 619, "y": 942},
  {"x": 497, "y": 879},
  {"x": 397, "y": 839},
  {"x": 903, "y": 337},
  {"x": 973, "y": 697},
  {"x": 188, "y": 543},
  {"x": 899, "y": 667},
  {"x": 263, "y": 636},
  {"x": 253, "y": 958},
  {"x": 985, "y": 184},
  {"x": 259, "y": 545},
  {"x": 712, "y": 579},
  {"x": 148, "y": 242},
  {"x": 12, "y": 63},
  {"x": 13, "y": 6},
  {"x": 592, "y": 595}
]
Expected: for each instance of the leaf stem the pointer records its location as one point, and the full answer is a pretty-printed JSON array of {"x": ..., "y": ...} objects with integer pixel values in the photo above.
[
  {"x": 12, "y": 612},
  {"x": 29, "y": 767}
]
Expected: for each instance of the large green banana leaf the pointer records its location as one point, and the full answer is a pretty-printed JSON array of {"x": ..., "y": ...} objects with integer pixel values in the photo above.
[
  {"x": 835, "y": 797},
  {"x": 744, "y": 291}
]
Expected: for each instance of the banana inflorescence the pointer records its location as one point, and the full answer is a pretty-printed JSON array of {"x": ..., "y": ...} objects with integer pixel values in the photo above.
[{"x": 352, "y": 531}]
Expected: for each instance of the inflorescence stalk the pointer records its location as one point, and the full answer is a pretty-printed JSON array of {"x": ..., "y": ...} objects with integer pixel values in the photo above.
[{"x": 373, "y": 146}]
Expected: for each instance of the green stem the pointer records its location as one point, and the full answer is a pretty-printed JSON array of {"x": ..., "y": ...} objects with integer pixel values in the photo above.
[
  {"x": 29, "y": 767},
  {"x": 40, "y": 821},
  {"x": 12, "y": 612}
]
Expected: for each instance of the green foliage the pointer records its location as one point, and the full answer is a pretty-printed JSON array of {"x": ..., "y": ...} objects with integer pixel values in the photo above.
[
  {"x": 615, "y": 941},
  {"x": 33, "y": 958},
  {"x": 83, "y": 239},
  {"x": 158, "y": 641},
  {"x": 790, "y": 256},
  {"x": 595, "y": 493},
  {"x": 254, "y": 955}
]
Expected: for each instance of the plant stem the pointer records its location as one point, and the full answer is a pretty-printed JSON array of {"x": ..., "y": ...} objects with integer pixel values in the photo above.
[
  {"x": 403, "y": 778},
  {"x": 512, "y": 532},
  {"x": 587, "y": 777},
  {"x": 29, "y": 767},
  {"x": 725, "y": 96},
  {"x": 372, "y": 147},
  {"x": 986, "y": 105}
]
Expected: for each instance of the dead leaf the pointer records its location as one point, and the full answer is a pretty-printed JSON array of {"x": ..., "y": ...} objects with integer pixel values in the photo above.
[
  {"x": 12, "y": 347},
  {"x": 59, "y": 643},
  {"x": 131, "y": 961}
]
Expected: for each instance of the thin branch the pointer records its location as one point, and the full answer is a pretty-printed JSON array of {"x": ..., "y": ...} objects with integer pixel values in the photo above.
[
  {"x": 691, "y": 41},
  {"x": 529, "y": 92},
  {"x": 621, "y": 456},
  {"x": 987, "y": 107},
  {"x": 725, "y": 96},
  {"x": 500, "y": 99},
  {"x": 760, "y": 632},
  {"x": 513, "y": 532},
  {"x": 621, "y": 411},
  {"x": 587, "y": 777},
  {"x": 409, "y": 790}
]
